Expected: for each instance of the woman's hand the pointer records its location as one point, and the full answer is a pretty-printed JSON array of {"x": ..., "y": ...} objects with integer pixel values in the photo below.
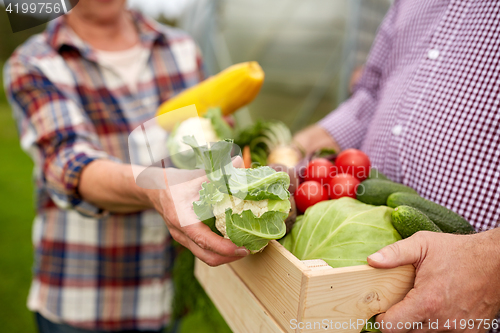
[
  {"x": 175, "y": 204},
  {"x": 457, "y": 278},
  {"x": 113, "y": 187}
]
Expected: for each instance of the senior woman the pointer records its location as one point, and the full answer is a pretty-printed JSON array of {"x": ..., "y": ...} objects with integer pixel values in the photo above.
[{"x": 102, "y": 251}]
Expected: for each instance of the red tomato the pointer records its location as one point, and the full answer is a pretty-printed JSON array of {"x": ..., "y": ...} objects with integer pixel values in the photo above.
[
  {"x": 343, "y": 185},
  {"x": 309, "y": 193},
  {"x": 320, "y": 170},
  {"x": 353, "y": 162}
]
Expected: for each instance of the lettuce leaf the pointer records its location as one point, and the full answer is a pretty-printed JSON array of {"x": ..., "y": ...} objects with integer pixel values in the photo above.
[
  {"x": 209, "y": 195},
  {"x": 214, "y": 160},
  {"x": 253, "y": 232},
  {"x": 248, "y": 184},
  {"x": 259, "y": 183},
  {"x": 342, "y": 232}
]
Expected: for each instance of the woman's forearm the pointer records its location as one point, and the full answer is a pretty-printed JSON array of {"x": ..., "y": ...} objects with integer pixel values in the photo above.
[{"x": 111, "y": 186}]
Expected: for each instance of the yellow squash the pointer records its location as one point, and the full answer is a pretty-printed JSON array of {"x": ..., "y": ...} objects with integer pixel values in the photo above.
[{"x": 231, "y": 89}]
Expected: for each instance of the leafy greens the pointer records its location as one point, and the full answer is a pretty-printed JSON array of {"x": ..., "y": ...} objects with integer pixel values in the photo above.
[{"x": 248, "y": 206}]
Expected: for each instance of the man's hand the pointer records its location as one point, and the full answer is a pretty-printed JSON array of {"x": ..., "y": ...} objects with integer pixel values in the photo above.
[
  {"x": 457, "y": 277},
  {"x": 313, "y": 138},
  {"x": 175, "y": 204}
]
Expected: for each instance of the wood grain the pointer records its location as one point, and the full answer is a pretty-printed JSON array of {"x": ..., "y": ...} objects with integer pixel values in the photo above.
[
  {"x": 348, "y": 294},
  {"x": 236, "y": 303},
  {"x": 269, "y": 291},
  {"x": 274, "y": 276}
]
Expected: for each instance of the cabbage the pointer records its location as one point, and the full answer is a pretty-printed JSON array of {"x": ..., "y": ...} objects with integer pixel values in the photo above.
[
  {"x": 247, "y": 206},
  {"x": 342, "y": 232}
]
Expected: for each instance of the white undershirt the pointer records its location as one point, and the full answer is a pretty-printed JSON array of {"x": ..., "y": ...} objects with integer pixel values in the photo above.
[{"x": 128, "y": 64}]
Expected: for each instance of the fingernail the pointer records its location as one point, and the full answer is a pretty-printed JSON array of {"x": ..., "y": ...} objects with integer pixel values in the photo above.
[
  {"x": 241, "y": 252},
  {"x": 377, "y": 256}
]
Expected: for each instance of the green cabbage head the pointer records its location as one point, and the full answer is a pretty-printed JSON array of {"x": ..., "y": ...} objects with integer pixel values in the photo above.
[{"x": 342, "y": 232}]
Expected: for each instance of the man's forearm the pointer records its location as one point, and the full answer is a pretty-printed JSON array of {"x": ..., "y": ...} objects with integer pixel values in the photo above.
[{"x": 111, "y": 186}]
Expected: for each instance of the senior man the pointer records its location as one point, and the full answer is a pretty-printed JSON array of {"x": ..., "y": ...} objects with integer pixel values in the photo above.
[
  {"x": 102, "y": 252},
  {"x": 426, "y": 111}
]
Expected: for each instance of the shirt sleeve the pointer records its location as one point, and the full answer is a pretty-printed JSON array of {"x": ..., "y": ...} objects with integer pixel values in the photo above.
[
  {"x": 55, "y": 131},
  {"x": 349, "y": 123}
]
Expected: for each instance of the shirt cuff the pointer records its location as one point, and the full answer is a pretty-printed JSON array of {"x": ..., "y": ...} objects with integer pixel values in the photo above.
[
  {"x": 347, "y": 126},
  {"x": 70, "y": 198}
]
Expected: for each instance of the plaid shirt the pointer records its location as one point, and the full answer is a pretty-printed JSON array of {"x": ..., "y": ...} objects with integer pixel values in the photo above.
[
  {"x": 94, "y": 270},
  {"x": 426, "y": 109}
]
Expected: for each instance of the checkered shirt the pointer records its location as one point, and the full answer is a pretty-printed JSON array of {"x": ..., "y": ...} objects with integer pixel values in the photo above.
[
  {"x": 94, "y": 270},
  {"x": 426, "y": 109}
]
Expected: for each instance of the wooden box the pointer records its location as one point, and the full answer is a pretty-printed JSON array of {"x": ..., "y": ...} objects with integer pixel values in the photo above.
[{"x": 273, "y": 291}]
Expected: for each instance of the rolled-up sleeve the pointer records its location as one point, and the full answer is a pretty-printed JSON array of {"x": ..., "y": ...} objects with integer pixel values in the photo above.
[
  {"x": 55, "y": 131},
  {"x": 349, "y": 123}
]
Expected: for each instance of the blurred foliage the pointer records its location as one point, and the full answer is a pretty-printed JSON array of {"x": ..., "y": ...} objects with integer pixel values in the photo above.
[
  {"x": 9, "y": 40},
  {"x": 164, "y": 20},
  {"x": 16, "y": 217},
  {"x": 191, "y": 303},
  {"x": 3, "y": 98},
  {"x": 16, "y": 205}
]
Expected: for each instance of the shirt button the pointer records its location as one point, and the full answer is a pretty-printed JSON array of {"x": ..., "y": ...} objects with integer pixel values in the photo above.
[
  {"x": 433, "y": 54},
  {"x": 397, "y": 130}
]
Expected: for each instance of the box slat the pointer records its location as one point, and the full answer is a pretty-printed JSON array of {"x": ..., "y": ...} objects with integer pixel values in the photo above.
[
  {"x": 275, "y": 277},
  {"x": 236, "y": 303},
  {"x": 348, "y": 294},
  {"x": 274, "y": 287}
]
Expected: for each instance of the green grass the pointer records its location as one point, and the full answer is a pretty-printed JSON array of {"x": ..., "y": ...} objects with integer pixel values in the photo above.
[{"x": 16, "y": 217}]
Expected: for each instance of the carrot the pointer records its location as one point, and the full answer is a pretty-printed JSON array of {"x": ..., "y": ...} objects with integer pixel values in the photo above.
[{"x": 247, "y": 157}]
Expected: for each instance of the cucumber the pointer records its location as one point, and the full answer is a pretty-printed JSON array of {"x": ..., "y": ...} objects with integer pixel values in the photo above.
[
  {"x": 375, "y": 174},
  {"x": 376, "y": 191},
  {"x": 447, "y": 220},
  {"x": 408, "y": 220}
]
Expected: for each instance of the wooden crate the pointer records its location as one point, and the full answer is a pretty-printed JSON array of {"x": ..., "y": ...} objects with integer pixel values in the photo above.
[{"x": 273, "y": 291}]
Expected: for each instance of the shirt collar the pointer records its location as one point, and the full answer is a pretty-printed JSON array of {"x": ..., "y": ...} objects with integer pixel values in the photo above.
[{"x": 59, "y": 35}]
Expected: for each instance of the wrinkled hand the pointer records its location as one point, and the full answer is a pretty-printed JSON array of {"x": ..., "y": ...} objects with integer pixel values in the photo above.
[
  {"x": 457, "y": 277},
  {"x": 314, "y": 137},
  {"x": 175, "y": 204}
]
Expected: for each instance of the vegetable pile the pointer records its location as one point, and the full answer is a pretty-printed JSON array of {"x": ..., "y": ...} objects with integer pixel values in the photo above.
[
  {"x": 366, "y": 212},
  {"x": 247, "y": 206},
  {"x": 350, "y": 210}
]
